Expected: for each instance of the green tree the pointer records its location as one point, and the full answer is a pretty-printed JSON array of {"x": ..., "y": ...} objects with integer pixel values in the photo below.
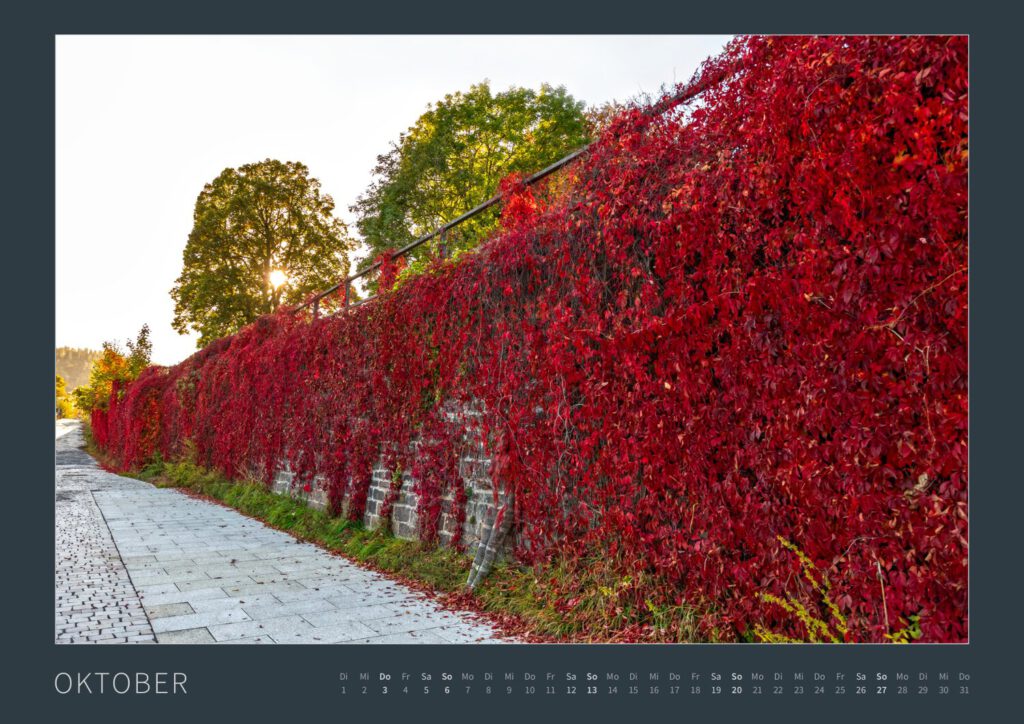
[
  {"x": 140, "y": 352},
  {"x": 248, "y": 223},
  {"x": 113, "y": 364},
  {"x": 454, "y": 156}
]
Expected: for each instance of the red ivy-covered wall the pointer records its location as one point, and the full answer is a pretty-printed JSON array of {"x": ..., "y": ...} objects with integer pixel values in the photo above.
[{"x": 744, "y": 319}]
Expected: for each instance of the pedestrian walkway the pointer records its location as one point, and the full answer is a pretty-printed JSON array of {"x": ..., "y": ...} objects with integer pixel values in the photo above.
[{"x": 136, "y": 563}]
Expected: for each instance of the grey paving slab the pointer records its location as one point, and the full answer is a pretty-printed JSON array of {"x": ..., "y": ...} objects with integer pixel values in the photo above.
[
  {"x": 254, "y": 589},
  {"x": 401, "y": 623},
  {"x": 225, "y": 601},
  {"x": 345, "y": 615},
  {"x": 339, "y": 590},
  {"x": 206, "y": 574},
  {"x": 463, "y": 634},
  {"x": 336, "y": 634},
  {"x": 216, "y": 582},
  {"x": 258, "y": 611},
  {"x": 168, "y": 609},
  {"x": 199, "y": 620},
  {"x": 155, "y": 589},
  {"x": 188, "y": 636},
  {"x": 424, "y": 636},
  {"x": 359, "y": 599},
  {"x": 278, "y": 626},
  {"x": 177, "y": 596}
]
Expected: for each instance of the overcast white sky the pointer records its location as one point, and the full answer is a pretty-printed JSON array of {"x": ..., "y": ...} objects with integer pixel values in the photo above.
[{"x": 144, "y": 121}]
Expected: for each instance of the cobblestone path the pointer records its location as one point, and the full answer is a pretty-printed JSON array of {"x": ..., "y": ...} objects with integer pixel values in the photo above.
[
  {"x": 95, "y": 598},
  {"x": 135, "y": 563}
]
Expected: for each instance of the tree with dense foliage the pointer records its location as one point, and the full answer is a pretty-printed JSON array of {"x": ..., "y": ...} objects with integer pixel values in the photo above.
[
  {"x": 113, "y": 366},
  {"x": 263, "y": 235},
  {"x": 455, "y": 155}
]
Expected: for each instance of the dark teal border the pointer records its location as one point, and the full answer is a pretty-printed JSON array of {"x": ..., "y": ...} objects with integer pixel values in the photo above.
[{"x": 289, "y": 683}]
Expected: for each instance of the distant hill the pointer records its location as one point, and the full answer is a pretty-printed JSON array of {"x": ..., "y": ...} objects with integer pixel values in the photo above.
[{"x": 73, "y": 365}]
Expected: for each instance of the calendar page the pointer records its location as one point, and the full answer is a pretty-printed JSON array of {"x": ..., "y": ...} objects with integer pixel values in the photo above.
[{"x": 522, "y": 361}]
